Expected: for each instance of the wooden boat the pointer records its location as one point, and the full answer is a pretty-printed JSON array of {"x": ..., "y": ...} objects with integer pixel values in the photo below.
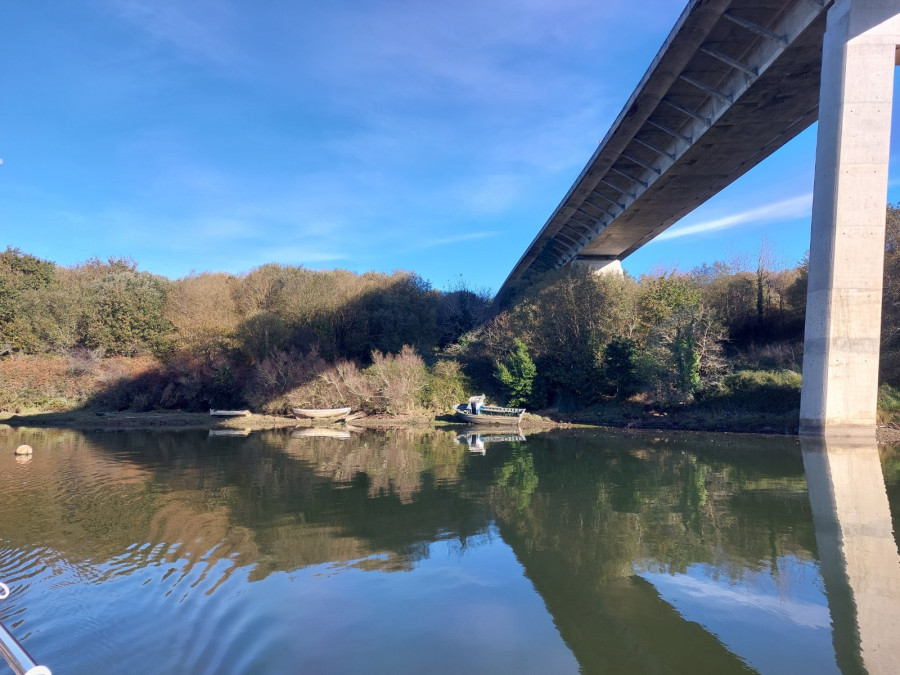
[
  {"x": 489, "y": 414},
  {"x": 228, "y": 413},
  {"x": 321, "y": 413}
]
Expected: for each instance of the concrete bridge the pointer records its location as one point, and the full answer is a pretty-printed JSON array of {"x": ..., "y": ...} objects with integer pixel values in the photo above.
[{"x": 734, "y": 81}]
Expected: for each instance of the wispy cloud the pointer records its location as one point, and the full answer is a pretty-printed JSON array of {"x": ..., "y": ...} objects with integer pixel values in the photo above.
[
  {"x": 787, "y": 209},
  {"x": 456, "y": 239},
  {"x": 198, "y": 30}
]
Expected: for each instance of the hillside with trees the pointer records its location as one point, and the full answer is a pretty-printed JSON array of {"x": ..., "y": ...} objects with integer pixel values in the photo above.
[{"x": 718, "y": 342}]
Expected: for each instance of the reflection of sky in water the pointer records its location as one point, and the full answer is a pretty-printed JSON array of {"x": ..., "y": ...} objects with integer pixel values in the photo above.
[
  {"x": 761, "y": 617},
  {"x": 454, "y": 609},
  {"x": 452, "y": 612}
]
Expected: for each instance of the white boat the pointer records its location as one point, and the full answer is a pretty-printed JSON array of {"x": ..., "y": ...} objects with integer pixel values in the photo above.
[
  {"x": 475, "y": 412},
  {"x": 228, "y": 413},
  {"x": 321, "y": 432},
  {"x": 321, "y": 413},
  {"x": 229, "y": 432},
  {"x": 473, "y": 436}
]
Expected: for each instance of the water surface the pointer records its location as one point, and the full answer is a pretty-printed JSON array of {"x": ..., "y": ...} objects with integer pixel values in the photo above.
[{"x": 597, "y": 552}]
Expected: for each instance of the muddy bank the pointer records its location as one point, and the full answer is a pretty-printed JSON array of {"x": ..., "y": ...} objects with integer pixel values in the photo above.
[
  {"x": 175, "y": 420},
  {"x": 124, "y": 421}
]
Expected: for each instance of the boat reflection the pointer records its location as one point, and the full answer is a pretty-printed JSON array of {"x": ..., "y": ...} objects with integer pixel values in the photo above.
[
  {"x": 860, "y": 565},
  {"x": 477, "y": 438}
]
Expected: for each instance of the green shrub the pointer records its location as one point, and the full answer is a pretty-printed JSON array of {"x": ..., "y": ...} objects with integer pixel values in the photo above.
[
  {"x": 446, "y": 386},
  {"x": 888, "y": 398},
  {"x": 758, "y": 390},
  {"x": 516, "y": 373}
]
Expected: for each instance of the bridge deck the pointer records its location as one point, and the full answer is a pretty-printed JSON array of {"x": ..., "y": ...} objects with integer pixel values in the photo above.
[{"x": 734, "y": 81}]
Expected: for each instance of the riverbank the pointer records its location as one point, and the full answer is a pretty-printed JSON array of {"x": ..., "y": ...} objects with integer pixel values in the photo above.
[
  {"x": 888, "y": 434},
  {"x": 176, "y": 420}
]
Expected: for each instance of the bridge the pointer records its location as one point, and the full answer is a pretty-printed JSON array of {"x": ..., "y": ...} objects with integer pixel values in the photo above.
[{"x": 734, "y": 81}]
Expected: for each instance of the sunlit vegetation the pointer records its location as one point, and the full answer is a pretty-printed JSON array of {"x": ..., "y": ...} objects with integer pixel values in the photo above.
[
  {"x": 721, "y": 339},
  {"x": 275, "y": 337}
]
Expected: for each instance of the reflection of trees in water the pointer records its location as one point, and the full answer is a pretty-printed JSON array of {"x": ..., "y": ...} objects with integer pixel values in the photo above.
[
  {"x": 607, "y": 505},
  {"x": 890, "y": 463},
  {"x": 114, "y": 503},
  {"x": 394, "y": 464},
  {"x": 517, "y": 478}
]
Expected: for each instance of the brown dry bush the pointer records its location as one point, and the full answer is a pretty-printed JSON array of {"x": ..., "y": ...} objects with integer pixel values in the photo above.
[
  {"x": 203, "y": 314},
  {"x": 333, "y": 386},
  {"x": 49, "y": 382},
  {"x": 399, "y": 380}
]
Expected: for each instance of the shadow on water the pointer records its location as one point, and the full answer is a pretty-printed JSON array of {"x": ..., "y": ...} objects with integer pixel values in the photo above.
[{"x": 635, "y": 542}]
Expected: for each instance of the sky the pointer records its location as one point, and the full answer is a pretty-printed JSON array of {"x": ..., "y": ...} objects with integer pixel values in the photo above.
[{"x": 220, "y": 135}]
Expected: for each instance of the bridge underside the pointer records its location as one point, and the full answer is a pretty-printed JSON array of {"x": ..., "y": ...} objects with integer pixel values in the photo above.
[{"x": 735, "y": 80}]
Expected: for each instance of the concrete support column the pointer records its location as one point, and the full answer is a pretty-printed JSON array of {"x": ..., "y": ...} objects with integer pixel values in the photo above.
[
  {"x": 599, "y": 264},
  {"x": 846, "y": 258}
]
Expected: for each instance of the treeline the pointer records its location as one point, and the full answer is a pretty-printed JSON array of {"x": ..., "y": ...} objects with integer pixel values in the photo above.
[
  {"x": 577, "y": 339},
  {"x": 114, "y": 309},
  {"x": 218, "y": 339},
  {"x": 725, "y": 334}
]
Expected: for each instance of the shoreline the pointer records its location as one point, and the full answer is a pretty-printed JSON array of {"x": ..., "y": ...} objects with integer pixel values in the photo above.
[{"x": 182, "y": 421}]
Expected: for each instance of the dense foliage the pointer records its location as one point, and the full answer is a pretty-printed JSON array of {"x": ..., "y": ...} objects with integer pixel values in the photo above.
[
  {"x": 725, "y": 334},
  {"x": 221, "y": 339}
]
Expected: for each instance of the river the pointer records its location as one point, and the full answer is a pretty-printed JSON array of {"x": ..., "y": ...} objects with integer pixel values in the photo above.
[{"x": 445, "y": 552}]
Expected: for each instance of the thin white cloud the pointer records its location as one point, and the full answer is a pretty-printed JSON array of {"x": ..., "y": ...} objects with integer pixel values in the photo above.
[
  {"x": 199, "y": 30},
  {"x": 295, "y": 255},
  {"x": 457, "y": 239},
  {"x": 787, "y": 209}
]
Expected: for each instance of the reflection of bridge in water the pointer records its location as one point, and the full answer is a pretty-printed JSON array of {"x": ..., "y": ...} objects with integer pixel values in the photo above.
[
  {"x": 858, "y": 552},
  {"x": 734, "y": 81}
]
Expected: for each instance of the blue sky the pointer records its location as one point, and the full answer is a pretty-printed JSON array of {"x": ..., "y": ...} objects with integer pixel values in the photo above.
[{"x": 207, "y": 135}]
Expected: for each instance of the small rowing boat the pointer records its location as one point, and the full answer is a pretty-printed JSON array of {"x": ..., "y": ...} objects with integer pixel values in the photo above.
[
  {"x": 228, "y": 413},
  {"x": 321, "y": 413}
]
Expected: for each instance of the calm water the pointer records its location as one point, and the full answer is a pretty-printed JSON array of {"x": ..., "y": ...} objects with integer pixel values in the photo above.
[{"x": 426, "y": 552}]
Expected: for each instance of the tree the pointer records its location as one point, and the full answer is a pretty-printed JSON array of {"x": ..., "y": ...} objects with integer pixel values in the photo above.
[
  {"x": 516, "y": 373},
  {"x": 204, "y": 315},
  {"x": 22, "y": 279},
  {"x": 620, "y": 367},
  {"x": 125, "y": 312}
]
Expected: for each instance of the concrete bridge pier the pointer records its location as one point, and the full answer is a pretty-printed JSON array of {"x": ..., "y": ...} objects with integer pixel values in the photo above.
[
  {"x": 600, "y": 264},
  {"x": 846, "y": 258}
]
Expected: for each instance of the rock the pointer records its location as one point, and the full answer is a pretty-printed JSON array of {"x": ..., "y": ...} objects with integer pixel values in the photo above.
[{"x": 24, "y": 450}]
